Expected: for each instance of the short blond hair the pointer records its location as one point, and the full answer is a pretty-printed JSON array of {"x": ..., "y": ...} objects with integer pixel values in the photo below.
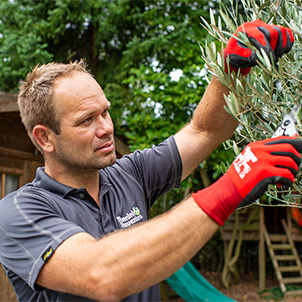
[{"x": 35, "y": 99}]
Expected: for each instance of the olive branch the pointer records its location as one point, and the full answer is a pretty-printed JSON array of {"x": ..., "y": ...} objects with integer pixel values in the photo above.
[{"x": 260, "y": 100}]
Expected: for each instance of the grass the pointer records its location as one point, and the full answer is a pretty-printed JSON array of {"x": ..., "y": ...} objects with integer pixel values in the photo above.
[{"x": 276, "y": 294}]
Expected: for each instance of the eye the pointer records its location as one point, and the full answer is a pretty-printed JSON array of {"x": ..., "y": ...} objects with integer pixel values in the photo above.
[
  {"x": 105, "y": 112},
  {"x": 87, "y": 120}
]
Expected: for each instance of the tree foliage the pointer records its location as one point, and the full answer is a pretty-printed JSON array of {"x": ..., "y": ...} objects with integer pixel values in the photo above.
[
  {"x": 130, "y": 46},
  {"x": 261, "y": 100}
]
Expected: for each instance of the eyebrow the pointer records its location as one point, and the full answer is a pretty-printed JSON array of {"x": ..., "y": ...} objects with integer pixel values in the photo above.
[{"x": 90, "y": 113}]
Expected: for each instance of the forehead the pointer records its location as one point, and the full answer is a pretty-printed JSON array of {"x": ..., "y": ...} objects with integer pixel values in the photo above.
[
  {"x": 76, "y": 84},
  {"x": 77, "y": 89}
]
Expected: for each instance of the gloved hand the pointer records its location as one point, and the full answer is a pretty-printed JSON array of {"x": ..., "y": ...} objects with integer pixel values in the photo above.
[
  {"x": 270, "y": 161},
  {"x": 275, "y": 40}
]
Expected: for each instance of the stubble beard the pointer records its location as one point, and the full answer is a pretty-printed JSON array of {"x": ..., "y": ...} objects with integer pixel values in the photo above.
[{"x": 78, "y": 165}]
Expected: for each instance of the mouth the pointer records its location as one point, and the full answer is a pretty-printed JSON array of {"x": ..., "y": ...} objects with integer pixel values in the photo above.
[{"x": 106, "y": 148}]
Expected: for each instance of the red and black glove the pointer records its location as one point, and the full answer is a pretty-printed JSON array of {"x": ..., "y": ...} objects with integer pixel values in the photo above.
[
  {"x": 270, "y": 161},
  {"x": 275, "y": 40}
]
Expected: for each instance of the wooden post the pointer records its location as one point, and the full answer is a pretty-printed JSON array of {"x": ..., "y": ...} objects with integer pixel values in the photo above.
[
  {"x": 261, "y": 252},
  {"x": 288, "y": 219}
]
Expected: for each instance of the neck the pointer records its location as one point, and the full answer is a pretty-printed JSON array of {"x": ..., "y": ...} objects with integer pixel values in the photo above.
[{"x": 77, "y": 179}]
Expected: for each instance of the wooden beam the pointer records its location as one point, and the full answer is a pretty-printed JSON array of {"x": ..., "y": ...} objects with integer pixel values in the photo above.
[
  {"x": 120, "y": 147},
  {"x": 8, "y": 102},
  {"x": 20, "y": 154}
]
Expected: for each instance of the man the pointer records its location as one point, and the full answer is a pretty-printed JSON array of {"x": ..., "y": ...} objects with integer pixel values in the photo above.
[{"x": 78, "y": 232}]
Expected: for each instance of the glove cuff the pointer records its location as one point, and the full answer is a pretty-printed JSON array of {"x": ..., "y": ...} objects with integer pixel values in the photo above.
[{"x": 219, "y": 200}]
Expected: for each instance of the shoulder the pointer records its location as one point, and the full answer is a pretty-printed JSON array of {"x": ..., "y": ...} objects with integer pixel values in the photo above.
[
  {"x": 26, "y": 199},
  {"x": 165, "y": 151},
  {"x": 149, "y": 168}
]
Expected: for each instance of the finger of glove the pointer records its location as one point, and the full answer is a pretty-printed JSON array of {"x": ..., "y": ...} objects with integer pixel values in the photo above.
[
  {"x": 285, "y": 41},
  {"x": 282, "y": 156},
  {"x": 239, "y": 61},
  {"x": 251, "y": 29},
  {"x": 260, "y": 32},
  {"x": 285, "y": 174},
  {"x": 246, "y": 57},
  {"x": 263, "y": 32},
  {"x": 237, "y": 53},
  {"x": 278, "y": 164},
  {"x": 280, "y": 38},
  {"x": 260, "y": 189},
  {"x": 286, "y": 34},
  {"x": 264, "y": 170},
  {"x": 287, "y": 164},
  {"x": 296, "y": 143},
  {"x": 294, "y": 157},
  {"x": 275, "y": 40},
  {"x": 240, "y": 55},
  {"x": 292, "y": 170},
  {"x": 266, "y": 47},
  {"x": 269, "y": 146},
  {"x": 271, "y": 34}
]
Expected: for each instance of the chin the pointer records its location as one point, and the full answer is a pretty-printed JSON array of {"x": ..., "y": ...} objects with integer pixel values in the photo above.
[
  {"x": 113, "y": 161},
  {"x": 108, "y": 162}
]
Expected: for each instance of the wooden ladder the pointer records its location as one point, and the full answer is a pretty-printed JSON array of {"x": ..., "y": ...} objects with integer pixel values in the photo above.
[{"x": 285, "y": 258}]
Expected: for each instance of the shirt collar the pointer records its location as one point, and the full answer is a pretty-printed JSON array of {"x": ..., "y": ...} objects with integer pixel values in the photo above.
[{"x": 43, "y": 180}]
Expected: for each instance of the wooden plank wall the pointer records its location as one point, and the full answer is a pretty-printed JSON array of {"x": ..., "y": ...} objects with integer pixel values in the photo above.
[{"x": 17, "y": 156}]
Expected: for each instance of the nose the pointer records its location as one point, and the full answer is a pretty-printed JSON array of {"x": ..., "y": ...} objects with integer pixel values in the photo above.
[{"x": 104, "y": 127}]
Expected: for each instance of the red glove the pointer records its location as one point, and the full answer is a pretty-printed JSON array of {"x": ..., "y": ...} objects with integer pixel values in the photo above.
[
  {"x": 270, "y": 161},
  {"x": 275, "y": 40}
]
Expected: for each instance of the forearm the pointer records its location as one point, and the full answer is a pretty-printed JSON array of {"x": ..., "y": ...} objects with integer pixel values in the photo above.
[
  {"x": 210, "y": 126},
  {"x": 153, "y": 251},
  {"x": 210, "y": 115},
  {"x": 128, "y": 261}
]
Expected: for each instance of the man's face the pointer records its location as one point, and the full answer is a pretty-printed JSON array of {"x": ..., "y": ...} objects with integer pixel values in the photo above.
[{"x": 86, "y": 140}]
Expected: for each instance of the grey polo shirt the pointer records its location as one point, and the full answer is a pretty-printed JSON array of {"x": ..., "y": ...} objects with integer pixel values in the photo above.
[{"x": 38, "y": 217}]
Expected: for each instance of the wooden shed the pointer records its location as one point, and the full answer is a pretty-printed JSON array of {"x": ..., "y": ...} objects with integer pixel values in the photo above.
[
  {"x": 19, "y": 160},
  {"x": 277, "y": 234}
]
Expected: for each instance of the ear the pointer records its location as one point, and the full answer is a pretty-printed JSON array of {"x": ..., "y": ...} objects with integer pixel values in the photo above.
[{"x": 44, "y": 137}]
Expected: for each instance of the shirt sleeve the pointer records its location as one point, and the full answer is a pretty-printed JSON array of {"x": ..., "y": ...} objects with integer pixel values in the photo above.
[
  {"x": 157, "y": 169},
  {"x": 30, "y": 232}
]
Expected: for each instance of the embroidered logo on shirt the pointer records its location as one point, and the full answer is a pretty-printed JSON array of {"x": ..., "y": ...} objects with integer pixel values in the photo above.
[
  {"x": 130, "y": 218},
  {"x": 46, "y": 255}
]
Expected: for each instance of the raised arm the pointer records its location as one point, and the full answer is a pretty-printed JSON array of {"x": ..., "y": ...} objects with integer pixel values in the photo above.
[{"x": 211, "y": 124}]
